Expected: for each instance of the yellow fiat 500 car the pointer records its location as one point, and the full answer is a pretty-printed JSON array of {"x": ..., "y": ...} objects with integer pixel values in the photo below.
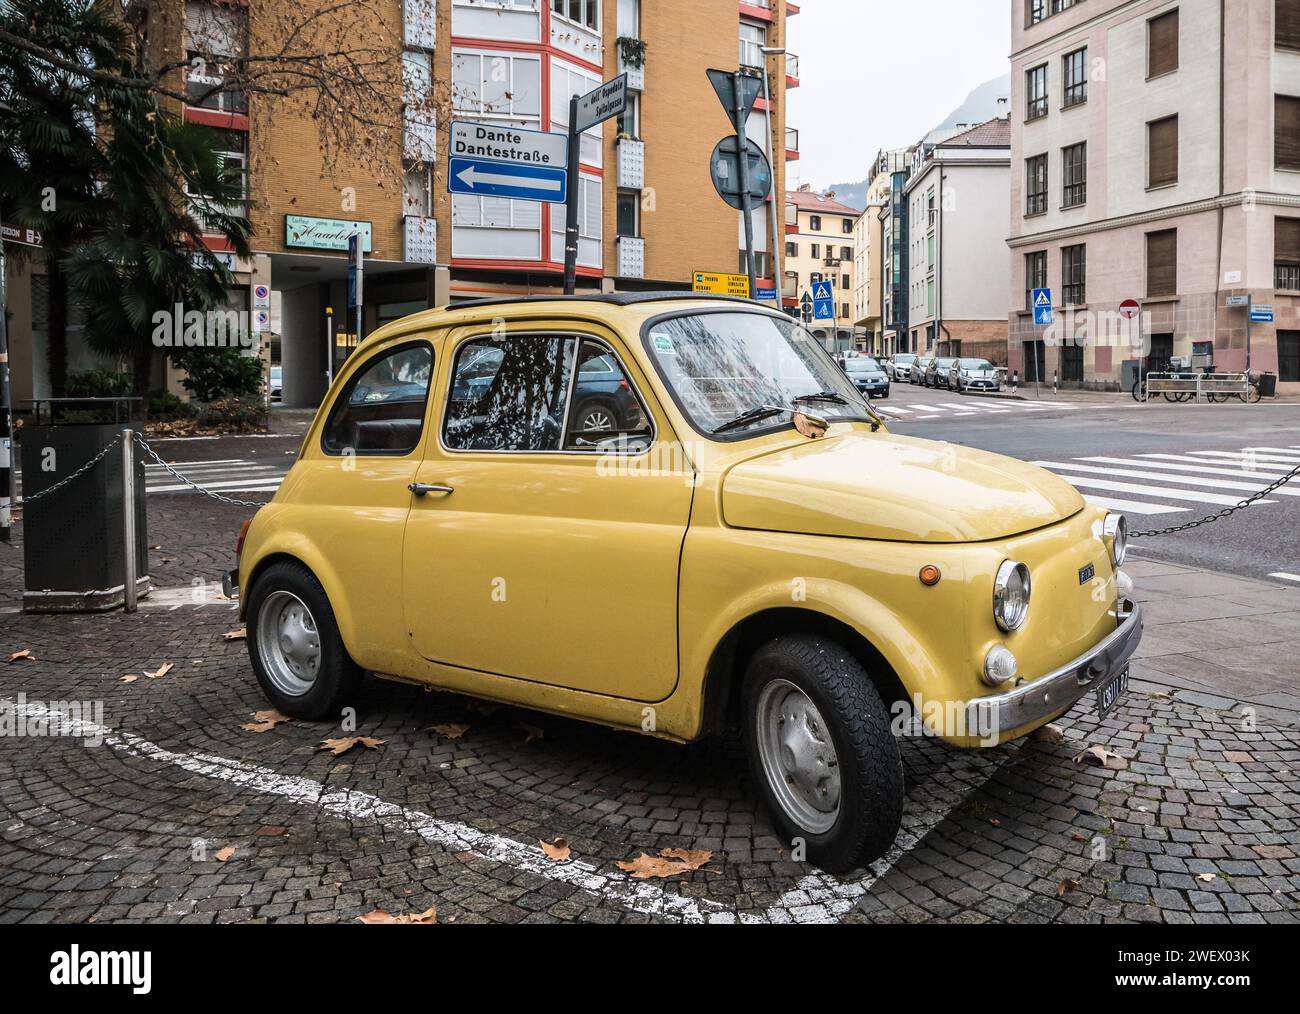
[{"x": 670, "y": 515}]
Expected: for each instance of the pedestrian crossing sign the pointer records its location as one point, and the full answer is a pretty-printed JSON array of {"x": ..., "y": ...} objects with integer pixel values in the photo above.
[{"x": 1042, "y": 306}]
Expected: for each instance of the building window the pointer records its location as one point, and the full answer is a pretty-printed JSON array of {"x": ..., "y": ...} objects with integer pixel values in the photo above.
[
  {"x": 1286, "y": 253},
  {"x": 1286, "y": 132},
  {"x": 815, "y": 224},
  {"x": 846, "y": 226},
  {"x": 627, "y": 214},
  {"x": 580, "y": 12},
  {"x": 816, "y": 250},
  {"x": 845, "y": 284},
  {"x": 1035, "y": 11},
  {"x": 792, "y": 249},
  {"x": 1035, "y": 275},
  {"x": 1162, "y": 263},
  {"x": 846, "y": 253},
  {"x": 1286, "y": 21},
  {"x": 1074, "y": 275},
  {"x": 497, "y": 87},
  {"x": 1074, "y": 175},
  {"x": 752, "y": 40},
  {"x": 1036, "y": 92},
  {"x": 1075, "y": 73},
  {"x": 1162, "y": 152},
  {"x": 1036, "y": 185},
  {"x": 1162, "y": 44},
  {"x": 844, "y": 311}
]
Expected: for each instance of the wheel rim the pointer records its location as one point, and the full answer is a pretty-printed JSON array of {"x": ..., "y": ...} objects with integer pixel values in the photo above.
[
  {"x": 798, "y": 756},
  {"x": 288, "y": 643},
  {"x": 597, "y": 419}
]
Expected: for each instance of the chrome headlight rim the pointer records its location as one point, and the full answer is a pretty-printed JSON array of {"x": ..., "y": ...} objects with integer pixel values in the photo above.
[
  {"x": 1010, "y": 614},
  {"x": 1115, "y": 531}
]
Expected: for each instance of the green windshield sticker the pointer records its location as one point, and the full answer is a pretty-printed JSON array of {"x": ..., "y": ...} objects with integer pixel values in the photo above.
[{"x": 663, "y": 345}]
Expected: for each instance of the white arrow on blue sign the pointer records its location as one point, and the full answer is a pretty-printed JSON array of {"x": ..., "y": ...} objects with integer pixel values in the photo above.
[{"x": 504, "y": 179}]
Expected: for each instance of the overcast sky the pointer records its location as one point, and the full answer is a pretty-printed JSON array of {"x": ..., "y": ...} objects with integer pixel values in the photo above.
[{"x": 880, "y": 73}]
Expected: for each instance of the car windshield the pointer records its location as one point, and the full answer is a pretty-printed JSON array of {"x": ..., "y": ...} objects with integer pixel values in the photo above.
[
  {"x": 861, "y": 365},
  {"x": 976, "y": 364},
  {"x": 904, "y": 359},
  {"x": 722, "y": 366},
  {"x": 942, "y": 364}
]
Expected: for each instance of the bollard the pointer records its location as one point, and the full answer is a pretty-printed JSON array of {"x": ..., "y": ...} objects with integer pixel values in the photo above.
[
  {"x": 1055, "y": 375},
  {"x": 128, "y": 520},
  {"x": 1015, "y": 380}
]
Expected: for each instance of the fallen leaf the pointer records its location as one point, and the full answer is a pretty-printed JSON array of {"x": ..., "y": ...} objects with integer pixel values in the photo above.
[
  {"x": 345, "y": 743},
  {"x": 224, "y": 854},
  {"x": 235, "y": 635},
  {"x": 1079, "y": 837},
  {"x": 669, "y": 863},
  {"x": 161, "y": 671},
  {"x": 807, "y": 426},
  {"x": 995, "y": 822},
  {"x": 381, "y": 918},
  {"x": 1099, "y": 756},
  {"x": 130, "y": 678},
  {"x": 1159, "y": 695},
  {"x": 531, "y": 732},
  {"x": 25, "y": 653},
  {"x": 1207, "y": 877},
  {"x": 265, "y": 721},
  {"x": 1050, "y": 734},
  {"x": 557, "y": 851},
  {"x": 452, "y": 730},
  {"x": 1065, "y": 886}
]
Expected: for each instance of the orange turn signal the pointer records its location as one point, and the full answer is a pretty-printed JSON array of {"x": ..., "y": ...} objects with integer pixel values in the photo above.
[{"x": 930, "y": 575}]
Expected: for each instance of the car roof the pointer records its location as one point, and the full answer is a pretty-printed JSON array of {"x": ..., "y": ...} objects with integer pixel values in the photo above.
[{"x": 612, "y": 299}]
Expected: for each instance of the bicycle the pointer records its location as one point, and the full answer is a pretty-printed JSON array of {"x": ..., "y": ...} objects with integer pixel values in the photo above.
[{"x": 1251, "y": 397}]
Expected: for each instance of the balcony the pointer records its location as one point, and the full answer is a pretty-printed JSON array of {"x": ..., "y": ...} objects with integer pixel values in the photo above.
[
  {"x": 420, "y": 23},
  {"x": 791, "y": 144},
  {"x": 791, "y": 70},
  {"x": 419, "y": 137},
  {"x": 791, "y": 219},
  {"x": 631, "y": 257},
  {"x": 206, "y": 88},
  {"x": 419, "y": 239},
  {"x": 1286, "y": 276},
  {"x": 631, "y": 164},
  {"x": 631, "y": 61}
]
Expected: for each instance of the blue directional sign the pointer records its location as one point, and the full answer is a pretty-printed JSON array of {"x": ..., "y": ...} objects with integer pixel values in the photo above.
[
  {"x": 1261, "y": 314},
  {"x": 823, "y": 300},
  {"x": 765, "y": 294},
  {"x": 1043, "y": 306},
  {"x": 491, "y": 160}
]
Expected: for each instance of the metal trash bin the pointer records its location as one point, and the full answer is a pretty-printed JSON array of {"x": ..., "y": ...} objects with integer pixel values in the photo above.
[
  {"x": 74, "y": 538},
  {"x": 1268, "y": 385}
]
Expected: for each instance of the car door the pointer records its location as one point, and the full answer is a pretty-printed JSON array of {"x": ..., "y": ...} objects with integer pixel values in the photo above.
[{"x": 549, "y": 550}]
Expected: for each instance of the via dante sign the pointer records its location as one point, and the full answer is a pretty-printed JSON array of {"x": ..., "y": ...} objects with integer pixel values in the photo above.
[{"x": 494, "y": 161}]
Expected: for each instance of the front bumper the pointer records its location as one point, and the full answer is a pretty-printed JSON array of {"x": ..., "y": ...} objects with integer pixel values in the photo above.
[{"x": 1052, "y": 695}]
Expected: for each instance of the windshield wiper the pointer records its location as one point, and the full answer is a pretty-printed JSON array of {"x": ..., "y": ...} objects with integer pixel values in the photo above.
[
  {"x": 753, "y": 415},
  {"x": 830, "y": 396}
]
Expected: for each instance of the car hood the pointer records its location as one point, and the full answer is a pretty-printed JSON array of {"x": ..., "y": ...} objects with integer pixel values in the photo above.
[
  {"x": 899, "y": 489},
  {"x": 869, "y": 375},
  {"x": 980, "y": 373}
]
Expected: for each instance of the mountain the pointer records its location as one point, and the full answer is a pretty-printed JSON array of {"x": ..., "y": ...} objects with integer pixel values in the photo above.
[{"x": 980, "y": 105}]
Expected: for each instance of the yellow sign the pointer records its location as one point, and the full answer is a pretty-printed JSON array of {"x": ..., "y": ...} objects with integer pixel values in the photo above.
[{"x": 722, "y": 285}]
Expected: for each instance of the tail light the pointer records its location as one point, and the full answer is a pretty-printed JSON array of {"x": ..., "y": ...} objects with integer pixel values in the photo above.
[
  {"x": 624, "y": 385},
  {"x": 243, "y": 532}
]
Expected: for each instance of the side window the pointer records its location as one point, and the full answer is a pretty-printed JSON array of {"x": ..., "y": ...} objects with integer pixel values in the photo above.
[
  {"x": 509, "y": 394},
  {"x": 606, "y": 408},
  {"x": 382, "y": 411}
]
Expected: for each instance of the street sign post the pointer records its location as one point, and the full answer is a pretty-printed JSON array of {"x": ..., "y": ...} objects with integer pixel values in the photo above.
[
  {"x": 823, "y": 301},
  {"x": 356, "y": 276},
  {"x": 1129, "y": 309},
  {"x": 585, "y": 111},
  {"x": 489, "y": 160},
  {"x": 599, "y": 104},
  {"x": 720, "y": 284},
  {"x": 724, "y": 166},
  {"x": 1043, "y": 317},
  {"x": 1261, "y": 313},
  {"x": 805, "y": 308},
  {"x": 738, "y": 93},
  {"x": 1238, "y": 301},
  {"x": 21, "y": 234}
]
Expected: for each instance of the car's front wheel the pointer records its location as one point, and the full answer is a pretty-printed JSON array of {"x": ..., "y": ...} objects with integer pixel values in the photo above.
[
  {"x": 820, "y": 746},
  {"x": 295, "y": 645}
]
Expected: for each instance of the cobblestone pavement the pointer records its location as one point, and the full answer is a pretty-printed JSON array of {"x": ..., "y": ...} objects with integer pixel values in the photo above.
[{"x": 1200, "y": 827}]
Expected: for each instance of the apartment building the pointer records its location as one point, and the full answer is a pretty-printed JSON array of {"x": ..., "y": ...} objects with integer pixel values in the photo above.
[
  {"x": 1156, "y": 157},
  {"x": 819, "y": 246},
  {"x": 868, "y": 265},
  {"x": 896, "y": 336},
  {"x": 649, "y": 216},
  {"x": 958, "y": 203}
]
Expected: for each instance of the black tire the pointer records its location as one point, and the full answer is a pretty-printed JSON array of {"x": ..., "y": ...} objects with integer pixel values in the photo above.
[
  {"x": 590, "y": 411},
  {"x": 857, "y": 719},
  {"x": 337, "y": 678}
]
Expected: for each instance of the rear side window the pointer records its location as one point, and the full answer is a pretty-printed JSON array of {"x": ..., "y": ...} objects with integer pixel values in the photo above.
[{"x": 382, "y": 409}]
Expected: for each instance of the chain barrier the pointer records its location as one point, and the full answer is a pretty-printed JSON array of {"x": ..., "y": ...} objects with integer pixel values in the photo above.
[
  {"x": 1209, "y": 519},
  {"x": 144, "y": 446}
]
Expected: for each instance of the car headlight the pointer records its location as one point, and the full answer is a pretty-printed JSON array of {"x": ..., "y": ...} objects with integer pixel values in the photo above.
[
  {"x": 999, "y": 666},
  {"x": 1011, "y": 595},
  {"x": 1115, "y": 531}
]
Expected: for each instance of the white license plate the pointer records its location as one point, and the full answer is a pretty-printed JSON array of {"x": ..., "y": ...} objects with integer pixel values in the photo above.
[{"x": 1109, "y": 695}]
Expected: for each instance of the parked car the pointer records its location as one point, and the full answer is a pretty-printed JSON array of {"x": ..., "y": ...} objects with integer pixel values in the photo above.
[
  {"x": 936, "y": 373},
  {"x": 900, "y": 367},
  {"x": 868, "y": 376},
  {"x": 485, "y": 543},
  {"x": 277, "y": 373},
  {"x": 919, "y": 366},
  {"x": 973, "y": 375}
]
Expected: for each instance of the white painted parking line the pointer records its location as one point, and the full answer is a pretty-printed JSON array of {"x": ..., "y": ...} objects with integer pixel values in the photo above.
[
  {"x": 1133, "y": 506},
  {"x": 1283, "y": 576},
  {"x": 1187, "y": 480},
  {"x": 1162, "y": 492}
]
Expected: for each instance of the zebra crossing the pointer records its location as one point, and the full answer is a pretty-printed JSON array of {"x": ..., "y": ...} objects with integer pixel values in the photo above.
[
  {"x": 1160, "y": 484},
  {"x": 225, "y": 475},
  {"x": 923, "y": 411}
]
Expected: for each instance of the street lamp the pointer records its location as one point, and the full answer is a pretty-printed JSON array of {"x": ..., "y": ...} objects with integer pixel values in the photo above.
[{"x": 778, "y": 280}]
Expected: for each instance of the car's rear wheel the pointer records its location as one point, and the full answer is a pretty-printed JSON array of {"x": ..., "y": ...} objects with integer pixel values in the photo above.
[
  {"x": 820, "y": 746},
  {"x": 295, "y": 645}
]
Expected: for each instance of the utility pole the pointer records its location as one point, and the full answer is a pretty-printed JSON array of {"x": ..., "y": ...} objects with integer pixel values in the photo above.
[
  {"x": 6, "y": 415},
  {"x": 571, "y": 206},
  {"x": 777, "y": 236}
]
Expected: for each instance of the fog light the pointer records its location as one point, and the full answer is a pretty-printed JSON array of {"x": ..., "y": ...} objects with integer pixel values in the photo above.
[{"x": 999, "y": 666}]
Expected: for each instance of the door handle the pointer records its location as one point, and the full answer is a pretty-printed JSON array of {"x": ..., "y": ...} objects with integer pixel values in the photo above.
[{"x": 423, "y": 488}]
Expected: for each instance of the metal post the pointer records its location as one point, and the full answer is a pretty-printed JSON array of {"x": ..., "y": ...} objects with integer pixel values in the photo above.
[
  {"x": 777, "y": 233},
  {"x": 6, "y": 417},
  {"x": 128, "y": 520},
  {"x": 1250, "y": 310},
  {"x": 329, "y": 348},
  {"x": 742, "y": 160},
  {"x": 571, "y": 208},
  {"x": 1038, "y": 376}
]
